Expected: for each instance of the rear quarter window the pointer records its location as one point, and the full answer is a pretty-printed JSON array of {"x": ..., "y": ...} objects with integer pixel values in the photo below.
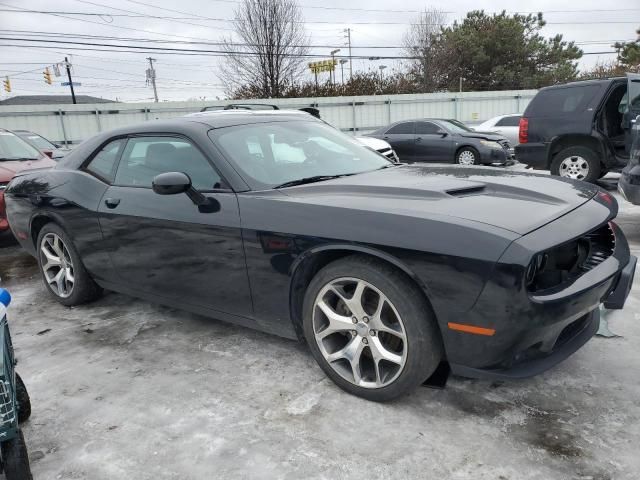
[{"x": 562, "y": 101}]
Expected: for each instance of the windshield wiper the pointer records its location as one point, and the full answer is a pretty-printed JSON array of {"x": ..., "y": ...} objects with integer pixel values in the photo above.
[{"x": 315, "y": 178}]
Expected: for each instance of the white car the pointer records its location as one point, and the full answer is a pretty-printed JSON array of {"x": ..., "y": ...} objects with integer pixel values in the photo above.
[
  {"x": 506, "y": 125},
  {"x": 379, "y": 146}
]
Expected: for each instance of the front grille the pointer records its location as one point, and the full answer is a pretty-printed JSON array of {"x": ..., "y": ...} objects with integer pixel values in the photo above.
[
  {"x": 602, "y": 243},
  {"x": 561, "y": 265}
]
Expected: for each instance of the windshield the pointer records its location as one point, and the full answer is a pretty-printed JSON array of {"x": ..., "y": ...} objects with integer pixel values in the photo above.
[
  {"x": 271, "y": 154},
  {"x": 455, "y": 126},
  {"x": 38, "y": 141},
  {"x": 13, "y": 147}
]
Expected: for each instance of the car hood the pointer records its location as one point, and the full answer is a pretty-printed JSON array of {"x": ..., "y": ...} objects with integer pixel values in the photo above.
[
  {"x": 519, "y": 202},
  {"x": 9, "y": 168},
  {"x": 483, "y": 135}
]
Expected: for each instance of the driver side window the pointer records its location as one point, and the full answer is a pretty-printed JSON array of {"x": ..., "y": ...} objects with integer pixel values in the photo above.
[{"x": 145, "y": 157}]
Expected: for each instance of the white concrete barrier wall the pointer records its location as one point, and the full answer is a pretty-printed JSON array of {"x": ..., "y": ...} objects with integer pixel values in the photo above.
[{"x": 75, "y": 123}]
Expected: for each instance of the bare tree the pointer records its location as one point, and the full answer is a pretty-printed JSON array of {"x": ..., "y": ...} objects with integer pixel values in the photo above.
[
  {"x": 421, "y": 42},
  {"x": 269, "y": 54}
]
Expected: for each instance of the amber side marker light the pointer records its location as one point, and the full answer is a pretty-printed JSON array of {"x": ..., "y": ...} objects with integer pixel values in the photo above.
[{"x": 471, "y": 329}]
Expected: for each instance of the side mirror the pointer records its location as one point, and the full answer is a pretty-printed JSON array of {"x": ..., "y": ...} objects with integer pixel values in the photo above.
[
  {"x": 442, "y": 133},
  {"x": 171, "y": 183}
]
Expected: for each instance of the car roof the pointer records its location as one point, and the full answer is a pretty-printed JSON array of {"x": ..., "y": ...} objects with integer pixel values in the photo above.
[
  {"x": 213, "y": 119},
  {"x": 594, "y": 81},
  {"x": 227, "y": 118}
]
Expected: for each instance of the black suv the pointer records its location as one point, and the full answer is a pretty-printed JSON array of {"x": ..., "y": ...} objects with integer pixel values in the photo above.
[{"x": 580, "y": 130}]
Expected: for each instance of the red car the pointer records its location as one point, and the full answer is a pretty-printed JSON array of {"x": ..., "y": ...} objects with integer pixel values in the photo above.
[{"x": 16, "y": 155}]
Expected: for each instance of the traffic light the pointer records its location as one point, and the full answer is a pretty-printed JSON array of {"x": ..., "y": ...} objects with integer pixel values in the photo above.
[
  {"x": 7, "y": 84},
  {"x": 47, "y": 75}
]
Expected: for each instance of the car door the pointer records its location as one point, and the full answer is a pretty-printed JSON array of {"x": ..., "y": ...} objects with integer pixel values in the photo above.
[
  {"x": 401, "y": 137},
  {"x": 165, "y": 245},
  {"x": 633, "y": 106},
  {"x": 432, "y": 143}
]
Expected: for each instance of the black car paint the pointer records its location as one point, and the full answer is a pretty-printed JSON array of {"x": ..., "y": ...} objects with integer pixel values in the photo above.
[
  {"x": 465, "y": 236},
  {"x": 442, "y": 146},
  {"x": 548, "y": 134}
]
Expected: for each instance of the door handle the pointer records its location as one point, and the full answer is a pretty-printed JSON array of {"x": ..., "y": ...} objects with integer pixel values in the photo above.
[
  {"x": 112, "y": 202},
  {"x": 419, "y": 139}
]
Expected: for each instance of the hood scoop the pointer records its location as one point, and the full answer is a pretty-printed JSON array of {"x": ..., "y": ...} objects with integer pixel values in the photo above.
[{"x": 466, "y": 191}]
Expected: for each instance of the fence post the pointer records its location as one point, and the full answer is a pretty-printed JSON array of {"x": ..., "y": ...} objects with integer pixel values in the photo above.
[
  {"x": 64, "y": 132},
  {"x": 389, "y": 112},
  {"x": 353, "y": 111},
  {"x": 518, "y": 103},
  {"x": 98, "y": 120}
]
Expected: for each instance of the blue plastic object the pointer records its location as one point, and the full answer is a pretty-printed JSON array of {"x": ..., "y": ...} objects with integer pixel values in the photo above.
[{"x": 5, "y": 297}]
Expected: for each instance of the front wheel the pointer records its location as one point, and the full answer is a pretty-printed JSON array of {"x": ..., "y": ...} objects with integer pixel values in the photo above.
[
  {"x": 370, "y": 328},
  {"x": 468, "y": 156},
  {"x": 578, "y": 163},
  {"x": 15, "y": 460}
]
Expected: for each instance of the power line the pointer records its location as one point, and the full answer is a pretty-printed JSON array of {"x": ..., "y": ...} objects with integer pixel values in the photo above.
[
  {"x": 25, "y": 33},
  {"x": 171, "y": 50},
  {"x": 133, "y": 14}
]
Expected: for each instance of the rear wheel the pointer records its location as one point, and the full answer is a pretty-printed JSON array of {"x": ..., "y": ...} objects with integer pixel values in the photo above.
[
  {"x": 15, "y": 460},
  {"x": 578, "y": 163},
  {"x": 62, "y": 270},
  {"x": 370, "y": 328}
]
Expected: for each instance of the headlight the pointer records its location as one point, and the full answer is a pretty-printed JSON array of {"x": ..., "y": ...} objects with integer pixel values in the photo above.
[{"x": 491, "y": 144}]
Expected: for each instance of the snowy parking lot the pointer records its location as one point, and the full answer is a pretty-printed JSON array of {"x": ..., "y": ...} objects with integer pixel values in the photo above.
[{"x": 125, "y": 389}]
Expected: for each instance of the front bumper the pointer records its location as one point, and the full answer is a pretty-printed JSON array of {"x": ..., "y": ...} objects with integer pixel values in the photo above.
[
  {"x": 532, "y": 331},
  {"x": 532, "y": 361}
]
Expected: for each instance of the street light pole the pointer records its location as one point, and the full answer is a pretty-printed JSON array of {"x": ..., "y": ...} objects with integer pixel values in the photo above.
[
  {"x": 333, "y": 64},
  {"x": 342, "y": 62}
]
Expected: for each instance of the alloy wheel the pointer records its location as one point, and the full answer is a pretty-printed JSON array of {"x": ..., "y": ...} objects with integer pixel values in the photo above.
[
  {"x": 575, "y": 167},
  {"x": 466, "y": 157},
  {"x": 359, "y": 332},
  {"x": 57, "y": 265}
]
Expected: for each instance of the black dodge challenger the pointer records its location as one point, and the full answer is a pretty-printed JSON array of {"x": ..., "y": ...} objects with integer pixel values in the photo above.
[{"x": 277, "y": 221}]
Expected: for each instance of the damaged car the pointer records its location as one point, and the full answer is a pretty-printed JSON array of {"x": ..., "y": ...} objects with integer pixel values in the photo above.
[{"x": 279, "y": 222}]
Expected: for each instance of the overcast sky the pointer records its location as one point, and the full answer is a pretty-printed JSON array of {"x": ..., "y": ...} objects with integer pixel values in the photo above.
[{"x": 180, "y": 77}]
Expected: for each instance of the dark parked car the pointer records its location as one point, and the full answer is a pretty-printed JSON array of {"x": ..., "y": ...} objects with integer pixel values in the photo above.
[
  {"x": 50, "y": 149},
  {"x": 580, "y": 130},
  {"x": 277, "y": 221},
  {"x": 439, "y": 140}
]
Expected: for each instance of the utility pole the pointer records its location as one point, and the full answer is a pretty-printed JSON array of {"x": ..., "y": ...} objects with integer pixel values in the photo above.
[
  {"x": 151, "y": 77},
  {"x": 68, "y": 65},
  {"x": 461, "y": 83},
  {"x": 348, "y": 37}
]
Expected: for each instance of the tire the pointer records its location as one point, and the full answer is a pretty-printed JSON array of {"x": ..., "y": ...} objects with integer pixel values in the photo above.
[
  {"x": 413, "y": 343},
  {"x": 24, "y": 402},
  {"x": 579, "y": 163},
  {"x": 84, "y": 289},
  {"x": 15, "y": 459},
  {"x": 471, "y": 154}
]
